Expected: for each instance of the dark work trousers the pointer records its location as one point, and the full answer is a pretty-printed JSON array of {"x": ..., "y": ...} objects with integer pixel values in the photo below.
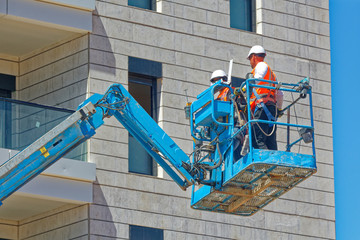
[{"x": 259, "y": 139}]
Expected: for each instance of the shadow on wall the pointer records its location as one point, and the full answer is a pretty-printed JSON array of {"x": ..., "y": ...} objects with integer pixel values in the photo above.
[
  {"x": 102, "y": 58},
  {"x": 102, "y": 67},
  {"x": 101, "y": 218}
]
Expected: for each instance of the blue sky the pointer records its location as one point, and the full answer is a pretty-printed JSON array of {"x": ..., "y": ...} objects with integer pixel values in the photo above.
[{"x": 345, "y": 41}]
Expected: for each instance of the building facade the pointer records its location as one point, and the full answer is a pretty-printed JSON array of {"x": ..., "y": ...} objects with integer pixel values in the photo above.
[{"x": 58, "y": 53}]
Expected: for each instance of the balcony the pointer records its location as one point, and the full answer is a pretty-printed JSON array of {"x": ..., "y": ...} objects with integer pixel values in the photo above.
[
  {"x": 69, "y": 180},
  {"x": 28, "y": 25}
]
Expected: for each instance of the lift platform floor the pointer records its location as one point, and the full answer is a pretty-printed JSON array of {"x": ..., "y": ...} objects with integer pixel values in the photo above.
[{"x": 256, "y": 182}]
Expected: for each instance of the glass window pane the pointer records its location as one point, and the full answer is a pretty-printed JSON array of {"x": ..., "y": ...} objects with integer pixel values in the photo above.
[
  {"x": 236, "y": 82},
  {"x": 142, "y": 94},
  {"x": 22, "y": 123},
  {"x": 5, "y": 125},
  {"x": 145, "y": 233},
  {"x": 7, "y": 82},
  {"x": 145, "y": 67},
  {"x": 139, "y": 160},
  {"x": 141, "y": 88},
  {"x": 146, "y": 4},
  {"x": 5, "y": 93},
  {"x": 241, "y": 14}
]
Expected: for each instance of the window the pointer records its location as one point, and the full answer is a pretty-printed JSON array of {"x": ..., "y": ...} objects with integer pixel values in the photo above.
[
  {"x": 242, "y": 14},
  {"x": 143, "y": 76},
  {"x": 145, "y": 233},
  {"x": 143, "y": 89},
  {"x": 146, "y": 4},
  {"x": 236, "y": 82},
  {"x": 7, "y": 86}
]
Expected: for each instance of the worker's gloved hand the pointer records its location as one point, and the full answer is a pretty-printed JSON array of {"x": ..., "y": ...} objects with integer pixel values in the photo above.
[{"x": 238, "y": 90}]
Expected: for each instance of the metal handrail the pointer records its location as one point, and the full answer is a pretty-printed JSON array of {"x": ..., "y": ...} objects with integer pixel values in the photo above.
[
  {"x": 35, "y": 105},
  {"x": 249, "y": 84}
]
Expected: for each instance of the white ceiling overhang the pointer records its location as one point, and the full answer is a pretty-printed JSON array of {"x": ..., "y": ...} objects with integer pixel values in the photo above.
[{"x": 28, "y": 25}]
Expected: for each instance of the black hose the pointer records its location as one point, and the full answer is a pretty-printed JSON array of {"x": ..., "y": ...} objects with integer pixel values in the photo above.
[{"x": 220, "y": 161}]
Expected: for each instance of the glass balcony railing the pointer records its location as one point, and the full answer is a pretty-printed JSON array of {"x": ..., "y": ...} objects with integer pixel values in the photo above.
[{"x": 21, "y": 123}]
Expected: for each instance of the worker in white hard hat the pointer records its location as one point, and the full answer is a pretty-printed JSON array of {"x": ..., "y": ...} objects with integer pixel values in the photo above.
[
  {"x": 218, "y": 75},
  {"x": 262, "y": 101},
  {"x": 224, "y": 95}
]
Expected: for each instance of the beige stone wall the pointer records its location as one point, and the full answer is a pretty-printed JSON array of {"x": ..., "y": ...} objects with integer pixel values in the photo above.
[
  {"x": 56, "y": 76},
  {"x": 191, "y": 39},
  {"x": 68, "y": 222},
  {"x": 8, "y": 229},
  {"x": 9, "y": 65}
]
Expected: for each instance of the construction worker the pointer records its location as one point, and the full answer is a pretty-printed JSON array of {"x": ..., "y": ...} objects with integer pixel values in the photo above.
[
  {"x": 224, "y": 95},
  {"x": 224, "y": 92},
  {"x": 262, "y": 101}
]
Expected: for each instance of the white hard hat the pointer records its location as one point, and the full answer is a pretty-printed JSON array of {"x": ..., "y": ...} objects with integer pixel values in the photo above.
[
  {"x": 217, "y": 75},
  {"x": 257, "y": 49}
]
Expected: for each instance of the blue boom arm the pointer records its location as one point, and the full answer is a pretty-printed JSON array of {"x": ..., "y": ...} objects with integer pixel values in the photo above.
[
  {"x": 119, "y": 103},
  {"x": 81, "y": 126}
]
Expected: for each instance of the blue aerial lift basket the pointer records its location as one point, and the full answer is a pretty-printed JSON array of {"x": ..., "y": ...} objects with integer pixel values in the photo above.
[{"x": 246, "y": 185}]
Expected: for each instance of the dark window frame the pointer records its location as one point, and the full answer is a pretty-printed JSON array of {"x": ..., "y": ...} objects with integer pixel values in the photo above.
[
  {"x": 148, "y": 168},
  {"x": 250, "y": 6},
  {"x": 145, "y": 233},
  {"x": 147, "y": 73},
  {"x": 236, "y": 81},
  {"x": 148, "y": 81},
  {"x": 144, "y": 4},
  {"x": 7, "y": 87}
]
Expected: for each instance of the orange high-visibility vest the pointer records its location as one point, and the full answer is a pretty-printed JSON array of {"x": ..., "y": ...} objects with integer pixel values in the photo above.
[
  {"x": 265, "y": 94},
  {"x": 223, "y": 95}
]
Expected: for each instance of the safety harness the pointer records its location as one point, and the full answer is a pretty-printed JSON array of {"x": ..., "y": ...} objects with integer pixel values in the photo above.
[
  {"x": 260, "y": 102},
  {"x": 262, "y": 99}
]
